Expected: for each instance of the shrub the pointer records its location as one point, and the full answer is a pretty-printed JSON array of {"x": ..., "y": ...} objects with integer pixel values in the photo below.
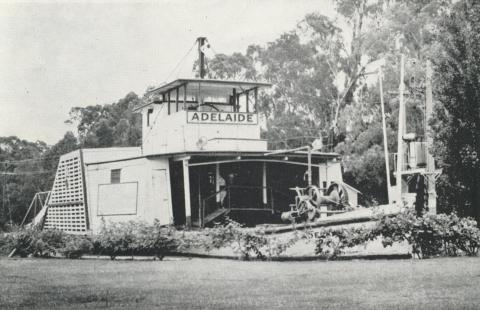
[
  {"x": 5, "y": 244},
  {"x": 136, "y": 238},
  {"x": 247, "y": 243},
  {"x": 430, "y": 234},
  {"x": 156, "y": 239},
  {"x": 35, "y": 242},
  {"x": 331, "y": 242},
  {"x": 23, "y": 242},
  {"x": 76, "y": 247},
  {"x": 115, "y": 239},
  {"x": 48, "y": 242}
]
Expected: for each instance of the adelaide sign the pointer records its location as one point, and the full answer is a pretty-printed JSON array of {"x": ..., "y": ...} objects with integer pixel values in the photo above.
[{"x": 222, "y": 118}]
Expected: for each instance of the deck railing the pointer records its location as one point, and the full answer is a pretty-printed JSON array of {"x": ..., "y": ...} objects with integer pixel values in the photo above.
[{"x": 210, "y": 204}]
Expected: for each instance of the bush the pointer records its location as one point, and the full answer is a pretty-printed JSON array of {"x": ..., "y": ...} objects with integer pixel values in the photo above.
[
  {"x": 431, "y": 234},
  {"x": 76, "y": 247},
  {"x": 136, "y": 238},
  {"x": 247, "y": 243},
  {"x": 156, "y": 239},
  {"x": 115, "y": 239},
  {"x": 35, "y": 242},
  {"x": 48, "y": 242},
  {"x": 331, "y": 242}
]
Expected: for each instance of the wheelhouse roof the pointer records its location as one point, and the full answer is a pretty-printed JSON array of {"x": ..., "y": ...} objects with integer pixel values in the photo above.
[{"x": 210, "y": 85}]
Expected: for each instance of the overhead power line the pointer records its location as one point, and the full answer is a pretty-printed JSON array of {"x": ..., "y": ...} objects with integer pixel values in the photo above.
[
  {"x": 26, "y": 173},
  {"x": 29, "y": 159}
]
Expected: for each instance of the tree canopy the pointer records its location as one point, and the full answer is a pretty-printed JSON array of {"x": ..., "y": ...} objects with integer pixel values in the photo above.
[{"x": 456, "y": 127}]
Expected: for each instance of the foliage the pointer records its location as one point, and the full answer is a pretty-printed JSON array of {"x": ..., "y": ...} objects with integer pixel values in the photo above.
[
  {"x": 456, "y": 126},
  {"x": 136, "y": 238},
  {"x": 25, "y": 177},
  {"x": 114, "y": 239},
  {"x": 35, "y": 242},
  {"x": 331, "y": 242},
  {"x": 155, "y": 239},
  {"x": 76, "y": 246},
  {"x": 245, "y": 242},
  {"x": 108, "y": 125},
  {"x": 429, "y": 235}
]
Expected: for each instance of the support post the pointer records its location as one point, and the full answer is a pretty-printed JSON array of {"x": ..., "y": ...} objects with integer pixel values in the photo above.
[
  {"x": 176, "y": 98},
  {"x": 385, "y": 142},
  {"x": 264, "y": 183},
  {"x": 217, "y": 182},
  {"x": 309, "y": 149},
  {"x": 185, "y": 97},
  {"x": 186, "y": 186},
  {"x": 234, "y": 100},
  {"x": 247, "y": 101},
  {"x": 255, "y": 93},
  {"x": 168, "y": 96},
  {"x": 431, "y": 177},
  {"x": 401, "y": 129}
]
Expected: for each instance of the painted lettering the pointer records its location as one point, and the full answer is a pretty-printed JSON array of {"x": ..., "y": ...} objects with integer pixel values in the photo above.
[{"x": 222, "y": 118}]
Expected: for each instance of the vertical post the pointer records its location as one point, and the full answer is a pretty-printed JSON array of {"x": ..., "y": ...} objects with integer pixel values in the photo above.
[
  {"x": 264, "y": 183},
  {"x": 234, "y": 97},
  {"x": 217, "y": 182},
  {"x": 168, "y": 96},
  {"x": 385, "y": 142},
  {"x": 401, "y": 129},
  {"x": 201, "y": 57},
  {"x": 432, "y": 194},
  {"x": 309, "y": 149},
  {"x": 176, "y": 99},
  {"x": 185, "y": 97},
  {"x": 246, "y": 100},
  {"x": 200, "y": 204},
  {"x": 255, "y": 94},
  {"x": 186, "y": 187}
]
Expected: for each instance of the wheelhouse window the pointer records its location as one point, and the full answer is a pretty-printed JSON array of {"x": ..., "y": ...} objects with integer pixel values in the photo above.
[{"x": 115, "y": 176}]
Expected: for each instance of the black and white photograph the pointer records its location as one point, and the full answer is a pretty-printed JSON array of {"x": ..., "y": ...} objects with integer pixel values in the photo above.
[{"x": 240, "y": 154}]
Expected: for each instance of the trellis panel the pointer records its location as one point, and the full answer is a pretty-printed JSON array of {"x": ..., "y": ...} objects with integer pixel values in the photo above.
[{"x": 67, "y": 204}]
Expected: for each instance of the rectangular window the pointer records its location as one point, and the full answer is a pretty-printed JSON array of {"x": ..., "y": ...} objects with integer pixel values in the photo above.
[
  {"x": 115, "y": 176},
  {"x": 149, "y": 112}
]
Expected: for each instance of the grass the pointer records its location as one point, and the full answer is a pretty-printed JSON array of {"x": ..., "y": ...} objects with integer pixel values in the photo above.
[{"x": 446, "y": 283}]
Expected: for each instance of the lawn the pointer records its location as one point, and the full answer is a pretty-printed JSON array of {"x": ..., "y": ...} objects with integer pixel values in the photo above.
[{"x": 181, "y": 283}]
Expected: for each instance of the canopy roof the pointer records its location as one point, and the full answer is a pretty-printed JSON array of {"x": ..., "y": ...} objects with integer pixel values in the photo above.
[{"x": 209, "y": 86}]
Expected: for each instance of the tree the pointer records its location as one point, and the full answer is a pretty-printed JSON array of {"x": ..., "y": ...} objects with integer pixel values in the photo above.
[
  {"x": 21, "y": 176},
  {"x": 456, "y": 126},
  {"x": 108, "y": 125}
]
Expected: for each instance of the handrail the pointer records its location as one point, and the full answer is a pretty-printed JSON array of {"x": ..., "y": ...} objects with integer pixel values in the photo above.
[{"x": 227, "y": 190}]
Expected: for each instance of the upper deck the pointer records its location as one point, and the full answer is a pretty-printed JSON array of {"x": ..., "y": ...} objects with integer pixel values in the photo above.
[{"x": 202, "y": 115}]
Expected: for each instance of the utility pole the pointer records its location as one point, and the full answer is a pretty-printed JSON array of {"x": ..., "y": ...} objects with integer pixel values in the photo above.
[
  {"x": 401, "y": 131},
  {"x": 385, "y": 142},
  {"x": 430, "y": 173}
]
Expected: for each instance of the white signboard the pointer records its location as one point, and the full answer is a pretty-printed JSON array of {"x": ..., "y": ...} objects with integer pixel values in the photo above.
[
  {"x": 117, "y": 199},
  {"x": 234, "y": 118}
]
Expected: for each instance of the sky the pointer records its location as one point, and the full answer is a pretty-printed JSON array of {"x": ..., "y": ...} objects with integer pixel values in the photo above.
[{"x": 59, "y": 55}]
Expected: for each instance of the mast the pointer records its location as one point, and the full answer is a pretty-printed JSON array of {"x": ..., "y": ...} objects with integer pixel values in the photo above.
[
  {"x": 201, "y": 57},
  {"x": 385, "y": 142},
  {"x": 401, "y": 130},
  {"x": 430, "y": 173}
]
